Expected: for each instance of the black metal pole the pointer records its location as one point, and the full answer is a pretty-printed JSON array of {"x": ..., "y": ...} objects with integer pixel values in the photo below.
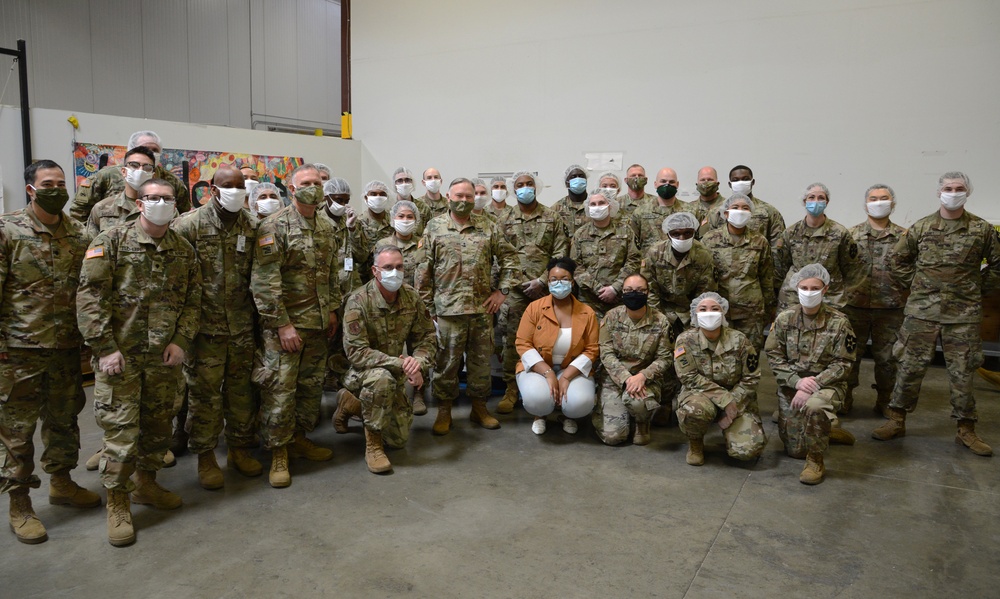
[{"x": 22, "y": 77}]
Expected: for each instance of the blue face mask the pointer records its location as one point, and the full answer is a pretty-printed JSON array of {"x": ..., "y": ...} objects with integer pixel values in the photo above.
[
  {"x": 578, "y": 185},
  {"x": 815, "y": 208},
  {"x": 560, "y": 289},
  {"x": 525, "y": 195}
]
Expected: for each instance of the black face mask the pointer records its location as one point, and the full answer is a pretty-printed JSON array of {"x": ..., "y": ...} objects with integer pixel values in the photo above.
[
  {"x": 666, "y": 191},
  {"x": 635, "y": 300}
]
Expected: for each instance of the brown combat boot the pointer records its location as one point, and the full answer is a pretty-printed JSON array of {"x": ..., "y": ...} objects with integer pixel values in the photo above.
[
  {"x": 279, "y": 477},
  {"x": 419, "y": 407},
  {"x": 149, "y": 492},
  {"x": 95, "y": 460},
  {"x": 169, "y": 459},
  {"x": 301, "y": 447},
  {"x": 506, "y": 405},
  {"x": 696, "y": 451},
  {"x": 442, "y": 424},
  {"x": 642, "y": 434},
  {"x": 209, "y": 474},
  {"x": 841, "y": 436},
  {"x": 347, "y": 406},
  {"x": 23, "y": 522},
  {"x": 120, "y": 530},
  {"x": 63, "y": 491},
  {"x": 375, "y": 456},
  {"x": 239, "y": 458},
  {"x": 989, "y": 375},
  {"x": 814, "y": 471},
  {"x": 895, "y": 427},
  {"x": 967, "y": 436},
  {"x": 882, "y": 402},
  {"x": 481, "y": 416}
]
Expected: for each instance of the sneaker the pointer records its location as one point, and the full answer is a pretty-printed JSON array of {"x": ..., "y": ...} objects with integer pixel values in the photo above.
[
  {"x": 538, "y": 426},
  {"x": 570, "y": 426}
]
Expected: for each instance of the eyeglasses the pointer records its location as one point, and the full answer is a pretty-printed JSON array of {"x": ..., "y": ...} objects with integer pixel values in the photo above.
[
  {"x": 146, "y": 167},
  {"x": 152, "y": 198}
]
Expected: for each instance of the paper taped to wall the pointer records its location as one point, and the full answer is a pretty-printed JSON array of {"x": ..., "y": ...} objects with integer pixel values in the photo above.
[{"x": 604, "y": 161}]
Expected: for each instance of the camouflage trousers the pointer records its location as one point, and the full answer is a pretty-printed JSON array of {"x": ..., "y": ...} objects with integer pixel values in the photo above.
[
  {"x": 469, "y": 334},
  {"x": 38, "y": 384},
  {"x": 963, "y": 354},
  {"x": 882, "y": 327},
  {"x": 516, "y": 303},
  {"x": 291, "y": 385},
  {"x": 336, "y": 359},
  {"x": 500, "y": 331},
  {"x": 615, "y": 409},
  {"x": 807, "y": 430},
  {"x": 134, "y": 408},
  {"x": 217, "y": 371},
  {"x": 384, "y": 405},
  {"x": 753, "y": 327},
  {"x": 745, "y": 438}
]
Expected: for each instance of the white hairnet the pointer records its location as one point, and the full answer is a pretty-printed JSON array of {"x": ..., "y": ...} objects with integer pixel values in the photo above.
[
  {"x": 732, "y": 199},
  {"x": 498, "y": 180},
  {"x": 704, "y": 296},
  {"x": 323, "y": 168},
  {"x": 810, "y": 271},
  {"x": 574, "y": 167},
  {"x": 404, "y": 204},
  {"x": 609, "y": 175},
  {"x": 401, "y": 171},
  {"x": 336, "y": 186},
  {"x": 612, "y": 203},
  {"x": 376, "y": 185},
  {"x": 680, "y": 220},
  {"x": 256, "y": 192}
]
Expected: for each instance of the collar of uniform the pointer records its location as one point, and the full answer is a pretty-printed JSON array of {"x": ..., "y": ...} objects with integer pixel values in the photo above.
[
  {"x": 537, "y": 212},
  {"x": 457, "y": 227},
  {"x": 124, "y": 204},
  {"x": 818, "y": 319},
  {"x": 211, "y": 213},
  {"x": 376, "y": 295},
  {"x": 888, "y": 231},
  {"x": 721, "y": 344},
  {"x": 820, "y": 231},
  {"x": 303, "y": 222},
  {"x": 403, "y": 245},
  {"x": 578, "y": 206},
  {"x": 38, "y": 227},
  {"x": 142, "y": 237},
  {"x": 672, "y": 257},
  {"x": 961, "y": 222},
  {"x": 645, "y": 321}
]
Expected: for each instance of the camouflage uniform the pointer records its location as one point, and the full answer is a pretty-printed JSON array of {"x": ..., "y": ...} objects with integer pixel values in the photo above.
[
  {"x": 672, "y": 283},
  {"x": 413, "y": 254},
  {"x": 294, "y": 281},
  {"x": 353, "y": 244},
  {"x": 627, "y": 348},
  {"x": 109, "y": 181},
  {"x": 537, "y": 238},
  {"x": 875, "y": 297},
  {"x": 745, "y": 272},
  {"x": 574, "y": 214},
  {"x": 39, "y": 275},
  {"x": 433, "y": 207},
  {"x": 110, "y": 212},
  {"x": 374, "y": 229},
  {"x": 217, "y": 369},
  {"x": 647, "y": 222},
  {"x": 501, "y": 213},
  {"x": 137, "y": 295},
  {"x": 945, "y": 300},
  {"x": 764, "y": 219},
  {"x": 453, "y": 282},
  {"x": 823, "y": 346},
  {"x": 375, "y": 334},
  {"x": 715, "y": 374},
  {"x": 629, "y": 205},
  {"x": 829, "y": 244},
  {"x": 703, "y": 210},
  {"x": 603, "y": 257}
]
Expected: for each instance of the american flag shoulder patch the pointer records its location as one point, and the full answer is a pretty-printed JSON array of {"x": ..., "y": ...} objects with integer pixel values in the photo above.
[
  {"x": 265, "y": 240},
  {"x": 96, "y": 252}
]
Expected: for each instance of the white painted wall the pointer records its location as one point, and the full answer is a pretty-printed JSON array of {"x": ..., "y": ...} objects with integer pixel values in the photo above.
[{"x": 850, "y": 93}]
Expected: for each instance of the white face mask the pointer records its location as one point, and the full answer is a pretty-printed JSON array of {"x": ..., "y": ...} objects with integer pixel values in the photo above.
[
  {"x": 609, "y": 192},
  {"x": 742, "y": 187},
  {"x": 433, "y": 185},
  {"x": 482, "y": 201},
  {"x": 739, "y": 218},
  {"x": 135, "y": 177},
  {"x": 404, "y": 227},
  {"x": 682, "y": 245},
  {"x": 336, "y": 208},
  {"x": 377, "y": 203},
  {"x": 954, "y": 201},
  {"x": 404, "y": 190},
  {"x": 709, "y": 320},
  {"x": 599, "y": 212},
  {"x": 249, "y": 184},
  {"x": 499, "y": 195},
  {"x": 158, "y": 213},
  {"x": 810, "y": 299},
  {"x": 267, "y": 206},
  {"x": 392, "y": 280},
  {"x": 879, "y": 209},
  {"x": 231, "y": 199}
]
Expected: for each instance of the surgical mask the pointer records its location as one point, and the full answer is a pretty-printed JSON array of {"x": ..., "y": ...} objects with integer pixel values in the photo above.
[
  {"x": 310, "y": 196},
  {"x": 499, "y": 195},
  {"x": 635, "y": 300},
  {"x": 637, "y": 183},
  {"x": 158, "y": 213},
  {"x": 742, "y": 187},
  {"x": 815, "y": 208},
  {"x": 433, "y": 185},
  {"x": 51, "y": 199},
  {"x": 336, "y": 208},
  {"x": 599, "y": 212},
  {"x": 879, "y": 209},
  {"x": 709, "y": 320},
  {"x": 404, "y": 189},
  {"x": 461, "y": 209},
  {"x": 377, "y": 203},
  {"x": 249, "y": 184},
  {"x": 268, "y": 206},
  {"x": 708, "y": 188},
  {"x": 404, "y": 227},
  {"x": 482, "y": 201},
  {"x": 578, "y": 185},
  {"x": 135, "y": 177},
  {"x": 739, "y": 218},
  {"x": 525, "y": 195},
  {"x": 609, "y": 192},
  {"x": 231, "y": 199},
  {"x": 392, "y": 280},
  {"x": 682, "y": 246},
  {"x": 810, "y": 299},
  {"x": 560, "y": 289},
  {"x": 666, "y": 191},
  {"x": 954, "y": 201}
]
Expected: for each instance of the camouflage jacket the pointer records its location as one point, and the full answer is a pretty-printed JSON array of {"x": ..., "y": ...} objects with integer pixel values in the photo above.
[
  {"x": 764, "y": 219},
  {"x": 744, "y": 270},
  {"x": 413, "y": 254},
  {"x": 110, "y": 212},
  {"x": 537, "y": 238},
  {"x": 672, "y": 283},
  {"x": 729, "y": 364},
  {"x": 829, "y": 244},
  {"x": 877, "y": 282},
  {"x": 629, "y": 347},
  {"x": 603, "y": 257},
  {"x": 647, "y": 222},
  {"x": 109, "y": 181},
  {"x": 376, "y": 333},
  {"x": 350, "y": 244},
  {"x": 822, "y": 346},
  {"x": 574, "y": 214},
  {"x": 434, "y": 207},
  {"x": 703, "y": 210}
]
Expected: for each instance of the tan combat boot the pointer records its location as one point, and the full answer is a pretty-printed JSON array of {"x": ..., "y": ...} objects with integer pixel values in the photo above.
[
  {"x": 149, "y": 492},
  {"x": 442, "y": 424},
  {"x": 240, "y": 459},
  {"x": 419, "y": 401},
  {"x": 989, "y": 375},
  {"x": 506, "y": 405},
  {"x": 95, "y": 460},
  {"x": 841, "y": 436},
  {"x": 481, "y": 416},
  {"x": 347, "y": 406},
  {"x": 696, "y": 451},
  {"x": 23, "y": 521},
  {"x": 209, "y": 473},
  {"x": 169, "y": 459},
  {"x": 301, "y": 447},
  {"x": 967, "y": 436},
  {"x": 375, "y": 456},
  {"x": 642, "y": 434},
  {"x": 120, "y": 530},
  {"x": 895, "y": 427},
  {"x": 814, "y": 471},
  {"x": 279, "y": 477},
  {"x": 63, "y": 491}
]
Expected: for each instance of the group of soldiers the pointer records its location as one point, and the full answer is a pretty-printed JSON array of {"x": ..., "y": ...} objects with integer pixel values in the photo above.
[{"x": 234, "y": 316}]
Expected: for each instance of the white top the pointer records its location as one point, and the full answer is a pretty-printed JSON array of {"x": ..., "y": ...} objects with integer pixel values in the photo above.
[{"x": 561, "y": 346}]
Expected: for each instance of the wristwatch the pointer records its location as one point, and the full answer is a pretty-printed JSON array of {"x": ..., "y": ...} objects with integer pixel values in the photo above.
[{"x": 505, "y": 290}]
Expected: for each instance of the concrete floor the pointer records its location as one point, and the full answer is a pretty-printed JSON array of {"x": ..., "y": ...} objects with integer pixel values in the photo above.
[{"x": 507, "y": 514}]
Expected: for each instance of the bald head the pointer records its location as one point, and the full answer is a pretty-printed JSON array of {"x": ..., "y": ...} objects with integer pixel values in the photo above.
[
  {"x": 666, "y": 176},
  {"x": 707, "y": 173},
  {"x": 227, "y": 176}
]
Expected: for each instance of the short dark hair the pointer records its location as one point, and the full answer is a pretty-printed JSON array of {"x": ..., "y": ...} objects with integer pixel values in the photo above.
[
  {"x": 154, "y": 181},
  {"x": 566, "y": 263},
  {"x": 31, "y": 171},
  {"x": 740, "y": 167},
  {"x": 459, "y": 181},
  {"x": 141, "y": 150}
]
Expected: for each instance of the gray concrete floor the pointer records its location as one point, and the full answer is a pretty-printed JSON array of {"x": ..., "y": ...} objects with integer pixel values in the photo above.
[{"x": 508, "y": 514}]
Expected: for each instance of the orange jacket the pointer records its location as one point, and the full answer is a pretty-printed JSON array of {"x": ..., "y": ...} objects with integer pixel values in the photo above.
[{"x": 540, "y": 327}]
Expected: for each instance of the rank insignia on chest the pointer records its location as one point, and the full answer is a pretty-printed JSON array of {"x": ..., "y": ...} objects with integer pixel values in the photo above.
[{"x": 96, "y": 252}]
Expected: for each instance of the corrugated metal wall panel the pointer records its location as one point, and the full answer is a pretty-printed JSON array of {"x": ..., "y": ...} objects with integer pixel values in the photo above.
[
  {"x": 333, "y": 63},
  {"x": 165, "y": 53},
  {"x": 208, "y": 61},
  {"x": 258, "y": 46},
  {"x": 310, "y": 48},
  {"x": 15, "y": 24},
  {"x": 239, "y": 63},
  {"x": 60, "y": 55},
  {"x": 281, "y": 62},
  {"x": 116, "y": 54}
]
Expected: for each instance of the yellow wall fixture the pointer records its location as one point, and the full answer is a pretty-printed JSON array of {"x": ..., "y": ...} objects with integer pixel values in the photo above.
[{"x": 346, "y": 131}]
